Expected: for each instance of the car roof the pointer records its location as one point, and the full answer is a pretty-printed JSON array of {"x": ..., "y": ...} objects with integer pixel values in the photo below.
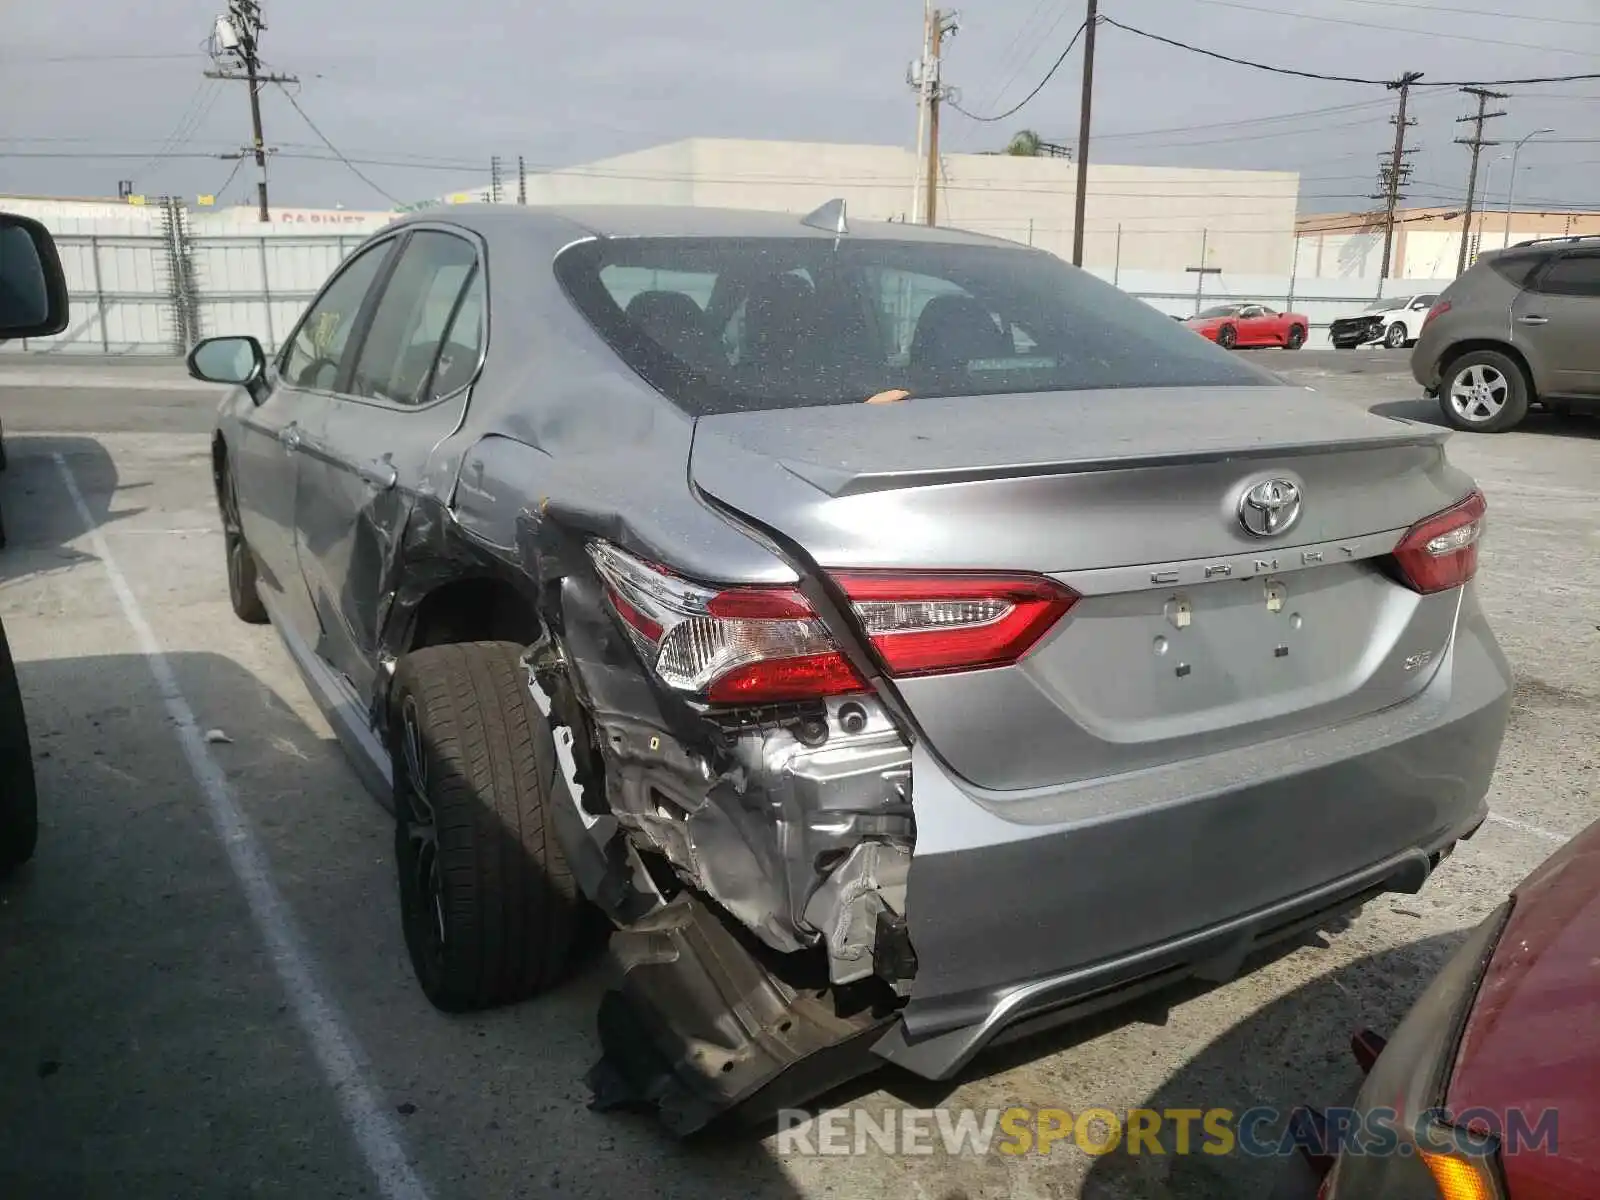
[{"x": 642, "y": 220}]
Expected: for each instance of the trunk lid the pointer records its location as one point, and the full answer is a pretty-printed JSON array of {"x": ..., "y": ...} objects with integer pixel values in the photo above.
[{"x": 1191, "y": 634}]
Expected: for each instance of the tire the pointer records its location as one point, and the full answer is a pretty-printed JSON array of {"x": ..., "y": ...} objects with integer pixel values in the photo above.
[
  {"x": 19, "y": 798},
  {"x": 1394, "y": 338},
  {"x": 1227, "y": 337},
  {"x": 1484, "y": 391},
  {"x": 1295, "y": 1179},
  {"x": 488, "y": 905},
  {"x": 1296, "y": 339},
  {"x": 243, "y": 594}
]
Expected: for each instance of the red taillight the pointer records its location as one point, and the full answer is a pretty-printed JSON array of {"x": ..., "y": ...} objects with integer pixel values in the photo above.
[
  {"x": 750, "y": 645},
  {"x": 1440, "y": 307},
  {"x": 925, "y": 624},
  {"x": 1441, "y": 552}
]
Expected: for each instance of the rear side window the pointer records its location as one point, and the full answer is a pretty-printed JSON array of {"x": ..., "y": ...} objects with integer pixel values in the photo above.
[
  {"x": 1572, "y": 275},
  {"x": 733, "y": 324},
  {"x": 1516, "y": 269}
]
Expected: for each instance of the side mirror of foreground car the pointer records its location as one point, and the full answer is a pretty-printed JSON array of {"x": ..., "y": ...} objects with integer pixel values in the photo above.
[
  {"x": 33, "y": 288},
  {"x": 235, "y": 360}
]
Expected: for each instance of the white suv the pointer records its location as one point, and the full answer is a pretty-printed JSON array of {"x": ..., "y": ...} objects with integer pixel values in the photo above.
[{"x": 1393, "y": 321}]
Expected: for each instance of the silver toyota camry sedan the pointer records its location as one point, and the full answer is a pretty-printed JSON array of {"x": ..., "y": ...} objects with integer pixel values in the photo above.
[{"x": 903, "y": 639}]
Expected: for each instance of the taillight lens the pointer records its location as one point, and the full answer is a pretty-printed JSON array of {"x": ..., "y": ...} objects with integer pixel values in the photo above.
[
  {"x": 1440, "y": 307},
  {"x": 761, "y": 645},
  {"x": 1441, "y": 551},
  {"x": 926, "y": 624}
]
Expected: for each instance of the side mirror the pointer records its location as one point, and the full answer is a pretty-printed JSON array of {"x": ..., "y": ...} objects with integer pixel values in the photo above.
[
  {"x": 236, "y": 360},
  {"x": 33, "y": 288}
]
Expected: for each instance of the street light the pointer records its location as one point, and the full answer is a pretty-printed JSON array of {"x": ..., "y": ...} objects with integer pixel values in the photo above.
[
  {"x": 1488, "y": 184},
  {"x": 1511, "y": 188}
]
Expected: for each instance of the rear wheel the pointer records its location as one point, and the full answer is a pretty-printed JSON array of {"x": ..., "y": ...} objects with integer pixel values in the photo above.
[
  {"x": 1296, "y": 339},
  {"x": 1227, "y": 337},
  {"x": 488, "y": 904},
  {"x": 19, "y": 801},
  {"x": 1395, "y": 336},
  {"x": 1485, "y": 392},
  {"x": 242, "y": 592}
]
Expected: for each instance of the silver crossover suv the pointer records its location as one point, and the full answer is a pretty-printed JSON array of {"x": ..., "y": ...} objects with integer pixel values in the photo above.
[
  {"x": 1517, "y": 329},
  {"x": 904, "y": 639}
]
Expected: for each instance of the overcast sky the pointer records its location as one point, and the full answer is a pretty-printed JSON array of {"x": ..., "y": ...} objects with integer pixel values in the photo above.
[{"x": 432, "y": 90}]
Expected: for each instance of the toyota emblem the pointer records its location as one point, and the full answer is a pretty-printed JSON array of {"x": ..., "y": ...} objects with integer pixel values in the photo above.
[{"x": 1269, "y": 508}]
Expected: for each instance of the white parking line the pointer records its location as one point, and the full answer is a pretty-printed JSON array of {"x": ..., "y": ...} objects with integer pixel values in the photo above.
[
  {"x": 1548, "y": 835},
  {"x": 371, "y": 1124}
]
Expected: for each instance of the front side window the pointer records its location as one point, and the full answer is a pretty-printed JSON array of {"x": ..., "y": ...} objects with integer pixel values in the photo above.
[
  {"x": 409, "y": 326},
  {"x": 316, "y": 351},
  {"x": 734, "y": 324}
]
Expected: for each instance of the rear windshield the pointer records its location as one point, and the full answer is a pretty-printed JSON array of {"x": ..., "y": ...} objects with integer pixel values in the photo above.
[
  {"x": 734, "y": 324},
  {"x": 1221, "y": 310}
]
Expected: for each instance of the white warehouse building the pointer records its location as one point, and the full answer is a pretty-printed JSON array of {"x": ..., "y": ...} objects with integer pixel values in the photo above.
[{"x": 1138, "y": 218}]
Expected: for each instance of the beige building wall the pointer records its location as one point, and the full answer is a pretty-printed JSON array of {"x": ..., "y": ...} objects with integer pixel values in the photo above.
[
  {"x": 1141, "y": 218},
  {"x": 1427, "y": 241}
]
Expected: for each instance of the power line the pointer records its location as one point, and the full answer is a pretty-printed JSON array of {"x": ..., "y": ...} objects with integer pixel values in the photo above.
[
  {"x": 1259, "y": 66},
  {"x": 1033, "y": 44},
  {"x": 237, "y": 163},
  {"x": 1329, "y": 110},
  {"x": 1050, "y": 74},
  {"x": 31, "y": 59},
  {"x": 1459, "y": 37},
  {"x": 1248, "y": 137},
  {"x": 189, "y": 121},
  {"x": 1474, "y": 12},
  {"x": 337, "y": 153}
]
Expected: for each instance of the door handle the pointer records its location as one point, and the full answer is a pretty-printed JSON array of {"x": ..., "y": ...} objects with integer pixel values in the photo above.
[
  {"x": 378, "y": 473},
  {"x": 1534, "y": 320},
  {"x": 289, "y": 436}
]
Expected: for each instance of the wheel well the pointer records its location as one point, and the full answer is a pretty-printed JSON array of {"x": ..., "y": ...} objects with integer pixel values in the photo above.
[
  {"x": 480, "y": 609},
  {"x": 1448, "y": 359}
]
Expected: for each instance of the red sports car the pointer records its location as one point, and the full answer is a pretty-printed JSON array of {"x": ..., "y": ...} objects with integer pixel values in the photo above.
[
  {"x": 1230, "y": 325},
  {"x": 1490, "y": 1087}
]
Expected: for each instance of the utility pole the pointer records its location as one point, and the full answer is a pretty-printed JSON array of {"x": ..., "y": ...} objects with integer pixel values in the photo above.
[
  {"x": 522, "y": 181},
  {"x": 917, "y": 77},
  {"x": 1476, "y": 141},
  {"x": 238, "y": 34},
  {"x": 1082, "y": 200},
  {"x": 1394, "y": 176},
  {"x": 924, "y": 76},
  {"x": 943, "y": 24},
  {"x": 494, "y": 179}
]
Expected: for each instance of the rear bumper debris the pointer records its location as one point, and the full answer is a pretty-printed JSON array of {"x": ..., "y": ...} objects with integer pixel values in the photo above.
[{"x": 694, "y": 1026}]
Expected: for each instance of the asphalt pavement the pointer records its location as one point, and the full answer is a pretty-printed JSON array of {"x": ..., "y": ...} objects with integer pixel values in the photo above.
[{"x": 203, "y": 987}]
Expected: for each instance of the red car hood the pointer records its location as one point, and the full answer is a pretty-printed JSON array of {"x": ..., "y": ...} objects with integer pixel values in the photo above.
[{"x": 1532, "y": 1042}]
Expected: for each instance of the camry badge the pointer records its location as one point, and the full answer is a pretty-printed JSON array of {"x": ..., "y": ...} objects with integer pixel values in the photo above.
[{"x": 1269, "y": 508}]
